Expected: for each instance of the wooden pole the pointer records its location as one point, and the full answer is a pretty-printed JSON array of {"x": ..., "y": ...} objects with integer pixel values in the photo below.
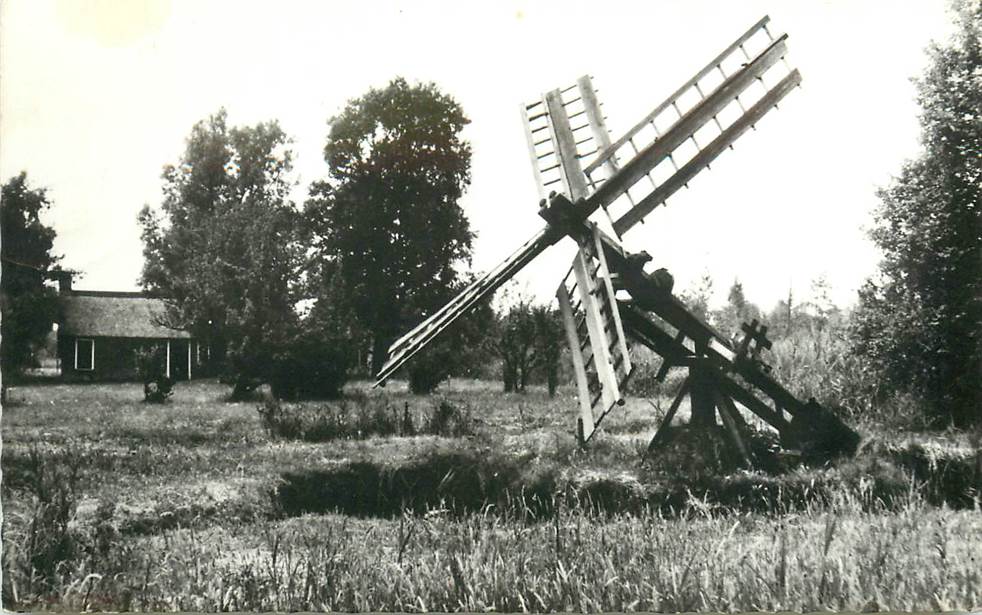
[
  {"x": 168, "y": 359},
  {"x": 726, "y": 413},
  {"x": 703, "y": 401}
]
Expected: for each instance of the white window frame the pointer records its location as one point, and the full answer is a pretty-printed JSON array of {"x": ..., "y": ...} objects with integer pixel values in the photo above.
[{"x": 91, "y": 354}]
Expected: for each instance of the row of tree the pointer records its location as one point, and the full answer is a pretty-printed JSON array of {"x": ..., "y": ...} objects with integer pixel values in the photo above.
[{"x": 290, "y": 294}]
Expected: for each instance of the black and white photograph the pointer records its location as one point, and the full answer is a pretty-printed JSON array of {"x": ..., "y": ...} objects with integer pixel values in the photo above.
[{"x": 521, "y": 306}]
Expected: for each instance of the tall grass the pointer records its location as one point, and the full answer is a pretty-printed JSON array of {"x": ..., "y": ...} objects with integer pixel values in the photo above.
[
  {"x": 182, "y": 509},
  {"x": 835, "y": 556}
]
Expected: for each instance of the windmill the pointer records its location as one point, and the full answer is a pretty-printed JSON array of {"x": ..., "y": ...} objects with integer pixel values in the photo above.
[{"x": 589, "y": 182}]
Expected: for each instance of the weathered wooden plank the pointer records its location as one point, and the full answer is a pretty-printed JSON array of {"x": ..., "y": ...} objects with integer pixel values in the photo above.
[
  {"x": 579, "y": 366},
  {"x": 565, "y": 146},
  {"x": 692, "y": 121},
  {"x": 530, "y": 140},
  {"x": 599, "y": 340},
  {"x": 611, "y": 149},
  {"x": 611, "y": 300},
  {"x": 708, "y": 153}
]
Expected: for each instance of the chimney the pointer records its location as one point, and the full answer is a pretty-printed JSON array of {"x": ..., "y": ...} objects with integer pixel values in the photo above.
[{"x": 64, "y": 281}]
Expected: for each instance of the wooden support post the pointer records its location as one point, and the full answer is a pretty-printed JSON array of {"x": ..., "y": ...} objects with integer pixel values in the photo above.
[
  {"x": 703, "y": 402},
  {"x": 731, "y": 418},
  {"x": 168, "y": 359},
  {"x": 663, "y": 428},
  {"x": 189, "y": 359}
]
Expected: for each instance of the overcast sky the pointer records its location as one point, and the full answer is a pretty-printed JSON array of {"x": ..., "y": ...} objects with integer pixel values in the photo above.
[{"x": 98, "y": 96}]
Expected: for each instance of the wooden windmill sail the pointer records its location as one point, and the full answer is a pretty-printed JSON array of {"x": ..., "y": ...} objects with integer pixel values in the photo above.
[{"x": 582, "y": 174}]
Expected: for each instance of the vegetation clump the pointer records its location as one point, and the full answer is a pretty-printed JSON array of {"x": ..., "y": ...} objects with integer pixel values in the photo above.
[{"x": 151, "y": 368}]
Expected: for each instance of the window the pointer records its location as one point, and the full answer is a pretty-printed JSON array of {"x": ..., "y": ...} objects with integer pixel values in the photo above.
[{"x": 84, "y": 354}]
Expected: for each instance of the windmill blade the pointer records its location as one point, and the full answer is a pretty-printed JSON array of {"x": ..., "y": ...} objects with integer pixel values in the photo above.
[
  {"x": 698, "y": 128},
  {"x": 565, "y": 130},
  {"x": 411, "y": 343},
  {"x": 598, "y": 347}
]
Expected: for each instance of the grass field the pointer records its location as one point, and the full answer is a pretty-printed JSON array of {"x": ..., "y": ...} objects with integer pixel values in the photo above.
[{"x": 113, "y": 504}]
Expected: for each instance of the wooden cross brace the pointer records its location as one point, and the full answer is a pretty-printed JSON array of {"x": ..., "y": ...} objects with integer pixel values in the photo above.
[{"x": 754, "y": 341}]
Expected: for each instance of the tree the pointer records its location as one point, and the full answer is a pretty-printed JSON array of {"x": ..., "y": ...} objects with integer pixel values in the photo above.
[
  {"x": 549, "y": 341},
  {"x": 516, "y": 345},
  {"x": 225, "y": 252},
  {"x": 28, "y": 307},
  {"x": 388, "y": 215},
  {"x": 736, "y": 311},
  {"x": 698, "y": 295},
  {"x": 919, "y": 321},
  {"x": 528, "y": 340}
]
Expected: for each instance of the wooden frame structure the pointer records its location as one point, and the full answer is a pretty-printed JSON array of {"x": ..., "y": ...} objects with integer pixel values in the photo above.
[{"x": 571, "y": 150}]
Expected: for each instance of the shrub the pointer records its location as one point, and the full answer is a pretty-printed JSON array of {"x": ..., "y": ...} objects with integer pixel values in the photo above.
[
  {"x": 355, "y": 418},
  {"x": 447, "y": 419},
  {"x": 429, "y": 368},
  {"x": 358, "y": 418},
  {"x": 309, "y": 369},
  {"x": 151, "y": 366},
  {"x": 314, "y": 360}
]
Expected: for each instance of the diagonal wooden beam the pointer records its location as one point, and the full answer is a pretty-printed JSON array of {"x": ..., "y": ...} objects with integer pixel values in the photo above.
[{"x": 663, "y": 428}]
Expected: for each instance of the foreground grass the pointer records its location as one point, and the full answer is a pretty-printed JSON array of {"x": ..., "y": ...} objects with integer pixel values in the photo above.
[
  {"x": 182, "y": 506},
  {"x": 914, "y": 559}
]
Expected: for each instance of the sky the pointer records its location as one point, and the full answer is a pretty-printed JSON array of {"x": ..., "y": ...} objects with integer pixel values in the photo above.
[{"x": 97, "y": 96}]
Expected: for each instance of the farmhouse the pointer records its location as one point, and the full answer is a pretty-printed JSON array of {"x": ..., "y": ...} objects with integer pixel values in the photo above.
[{"x": 100, "y": 333}]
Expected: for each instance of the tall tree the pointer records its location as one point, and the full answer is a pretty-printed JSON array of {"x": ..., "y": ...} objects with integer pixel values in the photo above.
[
  {"x": 389, "y": 214},
  {"x": 28, "y": 307},
  {"x": 225, "y": 250},
  {"x": 919, "y": 322}
]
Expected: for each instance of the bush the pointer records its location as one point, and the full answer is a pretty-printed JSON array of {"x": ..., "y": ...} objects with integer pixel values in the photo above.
[
  {"x": 429, "y": 368},
  {"x": 358, "y": 418},
  {"x": 309, "y": 369},
  {"x": 643, "y": 382},
  {"x": 447, "y": 419},
  {"x": 152, "y": 369},
  {"x": 313, "y": 362},
  {"x": 346, "y": 419}
]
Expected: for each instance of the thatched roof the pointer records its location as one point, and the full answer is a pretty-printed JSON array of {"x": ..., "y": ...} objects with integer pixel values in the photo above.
[{"x": 106, "y": 314}]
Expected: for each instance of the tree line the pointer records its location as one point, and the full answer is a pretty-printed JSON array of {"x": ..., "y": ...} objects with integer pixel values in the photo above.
[{"x": 298, "y": 294}]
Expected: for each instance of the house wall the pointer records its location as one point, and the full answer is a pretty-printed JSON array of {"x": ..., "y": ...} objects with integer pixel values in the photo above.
[{"x": 116, "y": 358}]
